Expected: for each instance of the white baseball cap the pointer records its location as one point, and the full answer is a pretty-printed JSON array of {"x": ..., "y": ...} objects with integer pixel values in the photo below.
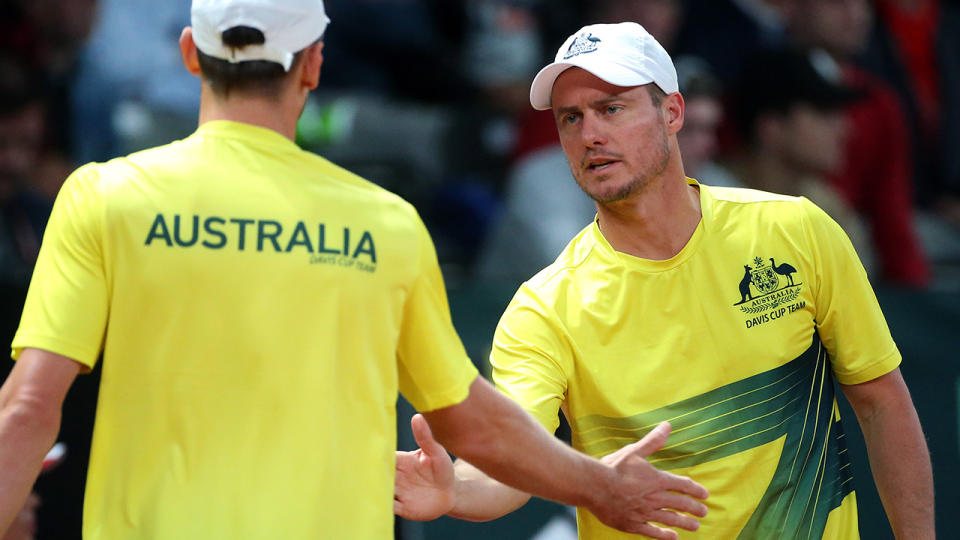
[
  {"x": 288, "y": 26},
  {"x": 623, "y": 54}
]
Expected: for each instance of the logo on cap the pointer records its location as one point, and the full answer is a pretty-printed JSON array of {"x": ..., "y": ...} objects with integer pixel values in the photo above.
[{"x": 582, "y": 44}]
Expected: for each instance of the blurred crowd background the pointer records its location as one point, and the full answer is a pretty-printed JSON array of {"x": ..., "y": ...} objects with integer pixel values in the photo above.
[{"x": 852, "y": 103}]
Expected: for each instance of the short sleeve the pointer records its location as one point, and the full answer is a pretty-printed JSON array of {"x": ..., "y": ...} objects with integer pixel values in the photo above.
[
  {"x": 434, "y": 369},
  {"x": 848, "y": 316},
  {"x": 531, "y": 359},
  {"x": 66, "y": 307}
]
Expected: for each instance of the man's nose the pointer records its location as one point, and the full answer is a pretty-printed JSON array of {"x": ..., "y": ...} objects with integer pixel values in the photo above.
[{"x": 593, "y": 132}]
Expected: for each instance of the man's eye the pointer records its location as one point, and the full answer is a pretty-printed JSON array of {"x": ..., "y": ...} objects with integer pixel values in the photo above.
[
  {"x": 570, "y": 119},
  {"x": 613, "y": 109}
]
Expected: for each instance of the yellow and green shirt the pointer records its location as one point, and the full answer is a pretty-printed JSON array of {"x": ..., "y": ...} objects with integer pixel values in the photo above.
[
  {"x": 735, "y": 340},
  {"x": 257, "y": 308}
]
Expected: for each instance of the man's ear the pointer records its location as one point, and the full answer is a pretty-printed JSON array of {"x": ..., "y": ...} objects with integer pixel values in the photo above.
[
  {"x": 673, "y": 108},
  {"x": 312, "y": 60},
  {"x": 188, "y": 50}
]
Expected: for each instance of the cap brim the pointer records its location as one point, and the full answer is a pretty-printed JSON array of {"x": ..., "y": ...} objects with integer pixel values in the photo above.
[{"x": 541, "y": 89}]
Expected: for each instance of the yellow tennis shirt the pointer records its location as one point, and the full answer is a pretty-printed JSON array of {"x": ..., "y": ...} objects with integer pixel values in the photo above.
[
  {"x": 257, "y": 308},
  {"x": 736, "y": 341}
]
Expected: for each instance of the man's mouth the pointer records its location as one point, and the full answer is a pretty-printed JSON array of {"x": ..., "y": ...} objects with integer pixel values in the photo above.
[{"x": 601, "y": 164}]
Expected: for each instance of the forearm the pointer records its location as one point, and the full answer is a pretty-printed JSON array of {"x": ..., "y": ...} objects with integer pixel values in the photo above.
[
  {"x": 25, "y": 437},
  {"x": 30, "y": 402},
  {"x": 901, "y": 468},
  {"x": 898, "y": 453},
  {"x": 481, "y": 498},
  {"x": 507, "y": 444}
]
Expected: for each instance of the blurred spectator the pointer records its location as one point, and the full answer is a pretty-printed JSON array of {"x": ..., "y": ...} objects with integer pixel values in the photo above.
[
  {"x": 875, "y": 175},
  {"x": 406, "y": 49},
  {"x": 131, "y": 90},
  {"x": 525, "y": 238},
  {"x": 23, "y": 209},
  {"x": 47, "y": 35},
  {"x": 502, "y": 51},
  {"x": 702, "y": 117},
  {"x": 916, "y": 47},
  {"x": 791, "y": 120},
  {"x": 662, "y": 18},
  {"x": 726, "y": 32},
  {"x": 420, "y": 96}
]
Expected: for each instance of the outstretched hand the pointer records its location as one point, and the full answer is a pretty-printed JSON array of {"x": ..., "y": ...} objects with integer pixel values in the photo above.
[
  {"x": 425, "y": 484},
  {"x": 643, "y": 495}
]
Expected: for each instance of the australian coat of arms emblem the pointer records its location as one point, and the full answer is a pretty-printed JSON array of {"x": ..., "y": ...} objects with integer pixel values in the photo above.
[{"x": 766, "y": 285}]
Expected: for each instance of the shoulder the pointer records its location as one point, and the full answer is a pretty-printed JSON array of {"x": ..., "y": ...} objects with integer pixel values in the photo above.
[
  {"x": 357, "y": 186},
  {"x": 740, "y": 195},
  {"x": 739, "y": 211},
  {"x": 187, "y": 157},
  {"x": 735, "y": 204},
  {"x": 569, "y": 268},
  {"x": 84, "y": 181}
]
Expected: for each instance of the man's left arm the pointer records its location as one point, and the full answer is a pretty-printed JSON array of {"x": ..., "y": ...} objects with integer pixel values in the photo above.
[
  {"x": 898, "y": 453},
  {"x": 30, "y": 403}
]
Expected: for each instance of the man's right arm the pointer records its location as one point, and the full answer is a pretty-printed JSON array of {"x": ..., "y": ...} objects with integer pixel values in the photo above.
[
  {"x": 30, "y": 403},
  {"x": 495, "y": 435}
]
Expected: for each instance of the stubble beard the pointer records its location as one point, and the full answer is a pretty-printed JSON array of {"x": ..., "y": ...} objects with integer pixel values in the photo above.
[{"x": 635, "y": 185}]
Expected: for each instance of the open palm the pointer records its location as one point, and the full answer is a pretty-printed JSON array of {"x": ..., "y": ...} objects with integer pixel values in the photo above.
[{"x": 425, "y": 484}]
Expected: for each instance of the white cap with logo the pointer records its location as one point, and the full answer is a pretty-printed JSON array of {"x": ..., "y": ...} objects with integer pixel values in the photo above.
[
  {"x": 288, "y": 26},
  {"x": 622, "y": 54}
]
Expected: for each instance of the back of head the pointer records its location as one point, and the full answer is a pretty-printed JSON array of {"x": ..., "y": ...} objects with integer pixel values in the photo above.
[{"x": 249, "y": 46}]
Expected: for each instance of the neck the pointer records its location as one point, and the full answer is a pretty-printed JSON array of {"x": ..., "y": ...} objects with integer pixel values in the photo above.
[
  {"x": 657, "y": 222},
  {"x": 280, "y": 115}
]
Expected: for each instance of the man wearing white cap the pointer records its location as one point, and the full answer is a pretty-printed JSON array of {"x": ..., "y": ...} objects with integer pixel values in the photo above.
[
  {"x": 257, "y": 309},
  {"x": 728, "y": 312}
]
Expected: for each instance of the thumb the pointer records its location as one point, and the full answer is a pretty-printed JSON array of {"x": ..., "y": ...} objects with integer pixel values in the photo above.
[
  {"x": 652, "y": 441},
  {"x": 424, "y": 437}
]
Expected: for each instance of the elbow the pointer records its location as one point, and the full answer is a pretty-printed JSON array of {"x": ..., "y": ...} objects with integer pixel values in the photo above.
[
  {"x": 472, "y": 444},
  {"x": 476, "y": 442},
  {"x": 27, "y": 414}
]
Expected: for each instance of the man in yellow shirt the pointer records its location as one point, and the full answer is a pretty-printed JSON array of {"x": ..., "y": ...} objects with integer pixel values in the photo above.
[
  {"x": 728, "y": 312},
  {"x": 257, "y": 309}
]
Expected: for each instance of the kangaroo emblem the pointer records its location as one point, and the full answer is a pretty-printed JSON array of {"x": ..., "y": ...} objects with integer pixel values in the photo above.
[{"x": 745, "y": 285}]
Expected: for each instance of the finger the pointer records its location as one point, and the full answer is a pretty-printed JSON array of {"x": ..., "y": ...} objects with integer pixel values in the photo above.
[
  {"x": 398, "y": 507},
  {"x": 424, "y": 437},
  {"x": 673, "y": 519},
  {"x": 682, "y": 484},
  {"x": 652, "y": 531},
  {"x": 652, "y": 441},
  {"x": 404, "y": 459},
  {"x": 681, "y": 503}
]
